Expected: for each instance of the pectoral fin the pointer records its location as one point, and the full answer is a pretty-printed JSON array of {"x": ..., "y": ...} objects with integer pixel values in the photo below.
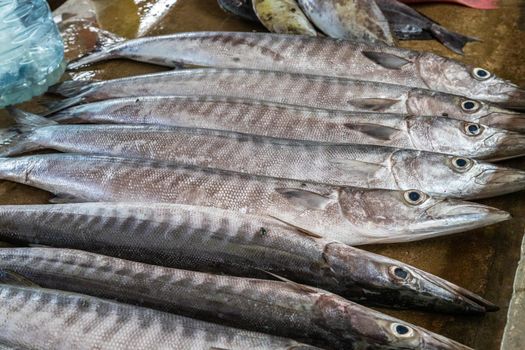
[
  {"x": 305, "y": 199},
  {"x": 357, "y": 167},
  {"x": 15, "y": 279},
  {"x": 298, "y": 228},
  {"x": 379, "y": 132},
  {"x": 64, "y": 198},
  {"x": 386, "y": 60}
]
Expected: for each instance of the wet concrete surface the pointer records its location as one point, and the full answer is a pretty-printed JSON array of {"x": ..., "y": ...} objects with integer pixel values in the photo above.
[{"x": 484, "y": 260}]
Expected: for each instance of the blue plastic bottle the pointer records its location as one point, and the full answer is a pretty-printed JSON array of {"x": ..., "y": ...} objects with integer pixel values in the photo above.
[{"x": 31, "y": 50}]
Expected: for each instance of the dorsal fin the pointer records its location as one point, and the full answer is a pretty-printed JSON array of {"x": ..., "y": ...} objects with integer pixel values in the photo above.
[{"x": 386, "y": 60}]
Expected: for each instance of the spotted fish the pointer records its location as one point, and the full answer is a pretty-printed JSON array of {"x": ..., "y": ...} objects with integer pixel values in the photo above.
[
  {"x": 344, "y": 164},
  {"x": 318, "y": 56},
  {"x": 236, "y": 244},
  {"x": 347, "y": 214},
  {"x": 286, "y": 88},
  {"x": 279, "y": 308},
  {"x": 62, "y": 321},
  {"x": 283, "y": 16},
  {"x": 433, "y": 134}
]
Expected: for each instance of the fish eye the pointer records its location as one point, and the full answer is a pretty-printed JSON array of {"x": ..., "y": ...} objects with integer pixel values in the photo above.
[
  {"x": 402, "y": 330},
  {"x": 481, "y": 74},
  {"x": 473, "y": 129},
  {"x": 415, "y": 197},
  {"x": 470, "y": 106},
  {"x": 399, "y": 272},
  {"x": 461, "y": 164}
]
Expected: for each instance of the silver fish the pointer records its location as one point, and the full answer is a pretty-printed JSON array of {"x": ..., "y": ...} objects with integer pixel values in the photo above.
[
  {"x": 344, "y": 165},
  {"x": 348, "y": 214},
  {"x": 283, "y": 16},
  {"x": 349, "y": 19},
  {"x": 221, "y": 241},
  {"x": 63, "y": 321},
  {"x": 294, "y": 89},
  {"x": 433, "y": 134},
  {"x": 280, "y": 308},
  {"x": 318, "y": 56}
]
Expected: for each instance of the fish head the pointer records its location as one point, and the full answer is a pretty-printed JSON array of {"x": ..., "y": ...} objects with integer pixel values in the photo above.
[
  {"x": 387, "y": 216},
  {"x": 447, "y": 75},
  {"x": 371, "y": 329},
  {"x": 453, "y": 176},
  {"x": 383, "y": 281},
  {"x": 447, "y": 135},
  {"x": 424, "y": 102}
]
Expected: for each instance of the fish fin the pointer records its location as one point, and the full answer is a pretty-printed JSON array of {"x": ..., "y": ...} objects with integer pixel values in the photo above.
[
  {"x": 454, "y": 41},
  {"x": 386, "y": 60},
  {"x": 64, "y": 198},
  {"x": 298, "y": 228},
  {"x": 295, "y": 285},
  {"x": 71, "y": 88},
  {"x": 379, "y": 132},
  {"x": 16, "y": 139},
  {"x": 373, "y": 104},
  {"x": 15, "y": 279},
  {"x": 357, "y": 166},
  {"x": 305, "y": 199},
  {"x": 29, "y": 119},
  {"x": 107, "y": 48},
  {"x": 57, "y": 106}
]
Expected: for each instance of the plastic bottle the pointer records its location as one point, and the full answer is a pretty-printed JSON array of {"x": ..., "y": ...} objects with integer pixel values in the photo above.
[{"x": 31, "y": 50}]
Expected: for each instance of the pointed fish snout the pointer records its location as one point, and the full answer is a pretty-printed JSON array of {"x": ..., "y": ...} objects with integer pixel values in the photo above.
[
  {"x": 496, "y": 181},
  {"x": 515, "y": 99},
  {"x": 434, "y": 341},
  {"x": 459, "y": 299},
  {"x": 462, "y": 215},
  {"x": 505, "y": 120}
]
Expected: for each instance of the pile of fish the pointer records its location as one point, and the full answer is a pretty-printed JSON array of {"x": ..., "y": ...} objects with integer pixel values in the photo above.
[
  {"x": 220, "y": 207},
  {"x": 381, "y": 21}
]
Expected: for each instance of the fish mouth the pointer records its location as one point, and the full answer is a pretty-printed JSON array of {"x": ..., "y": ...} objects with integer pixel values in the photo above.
[
  {"x": 452, "y": 216},
  {"x": 439, "y": 342},
  {"x": 509, "y": 144},
  {"x": 496, "y": 181},
  {"x": 507, "y": 120},
  {"x": 515, "y": 99},
  {"x": 452, "y": 298}
]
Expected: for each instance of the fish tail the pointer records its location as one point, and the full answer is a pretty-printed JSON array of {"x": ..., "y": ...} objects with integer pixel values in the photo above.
[
  {"x": 108, "y": 47},
  {"x": 16, "y": 140},
  {"x": 454, "y": 41},
  {"x": 102, "y": 54},
  {"x": 75, "y": 90}
]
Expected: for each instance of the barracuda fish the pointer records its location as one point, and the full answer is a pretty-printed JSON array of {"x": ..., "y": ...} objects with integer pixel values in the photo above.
[
  {"x": 408, "y": 23},
  {"x": 344, "y": 165},
  {"x": 280, "y": 308},
  {"x": 240, "y": 8},
  {"x": 299, "y": 123},
  {"x": 283, "y": 16},
  {"x": 62, "y": 321},
  {"x": 349, "y": 19},
  {"x": 348, "y": 214},
  {"x": 294, "y": 89},
  {"x": 236, "y": 244},
  {"x": 318, "y": 56}
]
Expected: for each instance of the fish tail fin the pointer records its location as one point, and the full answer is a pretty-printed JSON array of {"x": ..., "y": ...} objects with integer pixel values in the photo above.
[
  {"x": 16, "y": 140},
  {"x": 71, "y": 88},
  {"x": 102, "y": 54},
  {"x": 454, "y": 41},
  {"x": 75, "y": 90},
  {"x": 108, "y": 47}
]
